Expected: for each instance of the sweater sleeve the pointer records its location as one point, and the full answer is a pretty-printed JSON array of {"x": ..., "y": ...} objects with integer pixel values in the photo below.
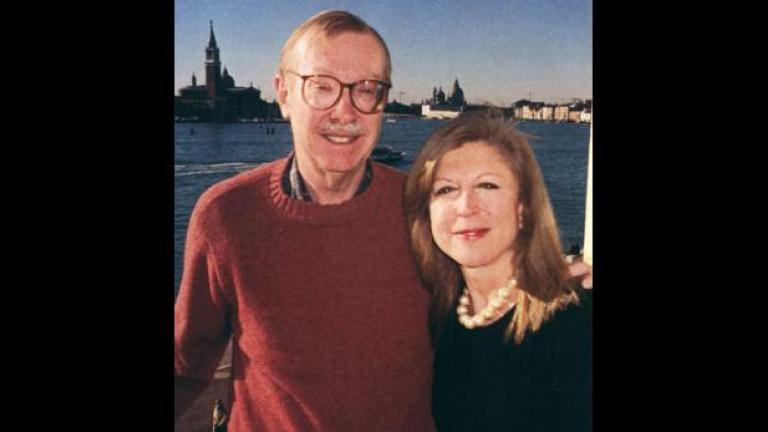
[{"x": 201, "y": 320}]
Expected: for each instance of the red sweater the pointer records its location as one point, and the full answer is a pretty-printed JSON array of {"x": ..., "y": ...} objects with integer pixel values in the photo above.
[{"x": 324, "y": 305}]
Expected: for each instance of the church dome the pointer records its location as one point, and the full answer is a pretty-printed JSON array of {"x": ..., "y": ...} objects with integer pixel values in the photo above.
[{"x": 226, "y": 80}]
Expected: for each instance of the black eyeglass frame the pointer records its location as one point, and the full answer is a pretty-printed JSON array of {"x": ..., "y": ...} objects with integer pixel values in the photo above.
[{"x": 387, "y": 85}]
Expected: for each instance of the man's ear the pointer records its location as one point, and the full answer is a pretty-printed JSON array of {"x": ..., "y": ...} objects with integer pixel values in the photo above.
[{"x": 281, "y": 88}]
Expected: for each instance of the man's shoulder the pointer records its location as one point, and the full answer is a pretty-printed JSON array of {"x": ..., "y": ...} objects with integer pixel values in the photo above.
[
  {"x": 388, "y": 170},
  {"x": 388, "y": 174}
]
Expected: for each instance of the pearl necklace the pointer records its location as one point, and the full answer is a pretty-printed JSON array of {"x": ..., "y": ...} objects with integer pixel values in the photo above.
[{"x": 495, "y": 307}]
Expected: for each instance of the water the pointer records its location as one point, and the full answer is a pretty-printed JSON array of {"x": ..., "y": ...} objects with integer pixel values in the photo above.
[{"x": 207, "y": 153}]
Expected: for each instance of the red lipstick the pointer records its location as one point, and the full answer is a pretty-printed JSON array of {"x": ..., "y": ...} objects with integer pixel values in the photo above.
[{"x": 472, "y": 234}]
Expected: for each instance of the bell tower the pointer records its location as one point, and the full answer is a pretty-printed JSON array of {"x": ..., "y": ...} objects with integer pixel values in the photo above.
[{"x": 212, "y": 66}]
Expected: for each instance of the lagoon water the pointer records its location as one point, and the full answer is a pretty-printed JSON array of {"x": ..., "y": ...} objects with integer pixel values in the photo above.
[{"x": 206, "y": 153}]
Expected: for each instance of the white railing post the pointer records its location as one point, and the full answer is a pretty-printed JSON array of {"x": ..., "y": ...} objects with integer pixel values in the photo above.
[{"x": 588, "y": 210}]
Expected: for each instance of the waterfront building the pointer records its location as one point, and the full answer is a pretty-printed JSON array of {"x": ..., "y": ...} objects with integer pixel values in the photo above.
[
  {"x": 527, "y": 110},
  {"x": 586, "y": 112},
  {"x": 547, "y": 113},
  {"x": 219, "y": 99},
  {"x": 397, "y": 109},
  {"x": 438, "y": 106},
  {"x": 561, "y": 113},
  {"x": 440, "y": 111},
  {"x": 576, "y": 111}
]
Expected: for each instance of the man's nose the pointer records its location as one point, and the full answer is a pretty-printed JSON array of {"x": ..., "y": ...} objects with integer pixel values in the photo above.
[{"x": 344, "y": 111}]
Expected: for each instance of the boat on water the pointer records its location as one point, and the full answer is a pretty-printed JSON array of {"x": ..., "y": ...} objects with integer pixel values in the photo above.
[{"x": 387, "y": 154}]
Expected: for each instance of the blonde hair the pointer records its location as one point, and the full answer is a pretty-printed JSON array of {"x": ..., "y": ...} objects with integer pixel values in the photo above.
[
  {"x": 542, "y": 274},
  {"x": 331, "y": 23}
]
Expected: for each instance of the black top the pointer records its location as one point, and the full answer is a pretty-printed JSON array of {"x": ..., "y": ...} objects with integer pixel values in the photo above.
[{"x": 482, "y": 383}]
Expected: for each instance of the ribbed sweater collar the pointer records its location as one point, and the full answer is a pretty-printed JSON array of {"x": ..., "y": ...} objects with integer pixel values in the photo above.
[{"x": 331, "y": 214}]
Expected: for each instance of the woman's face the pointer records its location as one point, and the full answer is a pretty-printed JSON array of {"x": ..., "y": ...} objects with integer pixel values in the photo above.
[{"x": 474, "y": 206}]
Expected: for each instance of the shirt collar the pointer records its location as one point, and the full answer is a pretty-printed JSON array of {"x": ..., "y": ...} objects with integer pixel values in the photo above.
[{"x": 294, "y": 186}]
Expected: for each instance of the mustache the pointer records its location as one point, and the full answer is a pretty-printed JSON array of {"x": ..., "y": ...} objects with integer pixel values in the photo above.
[{"x": 348, "y": 128}]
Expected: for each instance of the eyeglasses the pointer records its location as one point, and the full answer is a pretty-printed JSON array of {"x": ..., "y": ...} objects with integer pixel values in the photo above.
[{"x": 324, "y": 91}]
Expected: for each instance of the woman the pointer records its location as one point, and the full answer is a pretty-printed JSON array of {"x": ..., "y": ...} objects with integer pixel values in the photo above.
[{"x": 512, "y": 330}]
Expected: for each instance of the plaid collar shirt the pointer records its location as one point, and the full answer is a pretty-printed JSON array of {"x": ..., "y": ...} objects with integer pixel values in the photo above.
[{"x": 294, "y": 186}]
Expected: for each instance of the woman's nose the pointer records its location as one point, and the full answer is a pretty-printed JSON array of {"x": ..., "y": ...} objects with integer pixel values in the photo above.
[{"x": 466, "y": 204}]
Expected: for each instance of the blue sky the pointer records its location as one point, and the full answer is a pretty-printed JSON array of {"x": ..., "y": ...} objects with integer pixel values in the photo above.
[{"x": 500, "y": 51}]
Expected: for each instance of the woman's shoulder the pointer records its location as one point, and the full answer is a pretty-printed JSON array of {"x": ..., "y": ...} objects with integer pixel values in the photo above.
[
  {"x": 573, "y": 322},
  {"x": 584, "y": 306},
  {"x": 580, "y": 308}
]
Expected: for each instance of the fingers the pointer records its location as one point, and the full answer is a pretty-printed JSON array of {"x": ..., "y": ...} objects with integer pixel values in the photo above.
[{"x": 580, "y": 268}]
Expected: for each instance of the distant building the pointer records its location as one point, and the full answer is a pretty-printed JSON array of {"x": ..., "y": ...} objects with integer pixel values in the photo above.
[
  {"x": 438, "y": 97},
  {"x": 441, "y": 111},
  {"x": 547, "y": 113},
  {"x": 438, "y": 106},
  {"x": 586, "y": 113},
  {"x": 219, "y": 100},
  {"x": 457, "y": 95},
  {"x": 527, "y": 110},
  {"x": 396, "y": 108},
  {"x": 574, "y": 111},
  {"x": 521, "y": 108},
  {"x": 577, "y": 111},
  {"x": 561, "y": 113}
]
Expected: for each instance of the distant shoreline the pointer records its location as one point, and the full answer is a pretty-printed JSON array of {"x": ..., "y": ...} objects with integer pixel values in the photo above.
[
  {"x": 257, "y": 121},
  {"x": 278, "y": 121}
]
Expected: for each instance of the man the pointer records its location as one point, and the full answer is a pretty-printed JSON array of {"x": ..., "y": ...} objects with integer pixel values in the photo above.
[{"x": 305, "y": 262}]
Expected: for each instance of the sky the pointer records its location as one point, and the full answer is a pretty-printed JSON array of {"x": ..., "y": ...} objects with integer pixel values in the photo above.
[{"x": 500, "y": 51}]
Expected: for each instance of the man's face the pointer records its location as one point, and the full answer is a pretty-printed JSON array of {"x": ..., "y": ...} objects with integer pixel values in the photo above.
[{"x": 340, "y": 138}]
